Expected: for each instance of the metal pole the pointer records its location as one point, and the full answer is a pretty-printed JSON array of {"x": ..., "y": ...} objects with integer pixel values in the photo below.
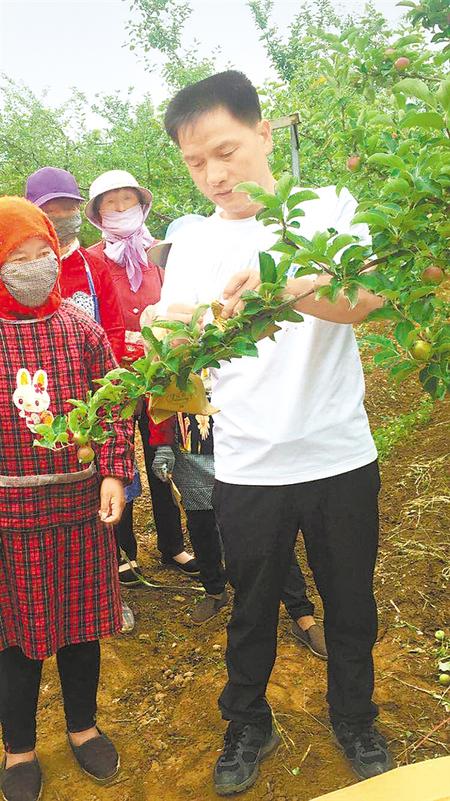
[{"x": 292, "y": 122}]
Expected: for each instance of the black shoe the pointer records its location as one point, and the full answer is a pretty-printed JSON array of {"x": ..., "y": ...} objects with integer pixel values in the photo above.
[
  {"x": 127, "y": 577},
  {"x": 245, "y": 746},
  {"x": 189, "y": 568},
  {"x": 365, "y": 748},
  {"x": 97, "y": 758},
  {"x": 22, "y": 782}
]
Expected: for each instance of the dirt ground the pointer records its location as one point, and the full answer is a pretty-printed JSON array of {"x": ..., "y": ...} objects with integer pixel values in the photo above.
[{"x": 159, "y": 685}]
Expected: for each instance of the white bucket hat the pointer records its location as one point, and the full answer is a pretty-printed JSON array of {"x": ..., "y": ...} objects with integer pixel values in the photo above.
[{"x": 113, "y": 179}]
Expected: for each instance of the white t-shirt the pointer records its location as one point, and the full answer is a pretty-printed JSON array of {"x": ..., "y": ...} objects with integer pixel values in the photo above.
[{"x": 296, "y": 412}]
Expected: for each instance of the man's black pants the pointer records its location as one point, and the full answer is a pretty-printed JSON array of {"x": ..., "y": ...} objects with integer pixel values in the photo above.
[{"x": 339, "y": 520}]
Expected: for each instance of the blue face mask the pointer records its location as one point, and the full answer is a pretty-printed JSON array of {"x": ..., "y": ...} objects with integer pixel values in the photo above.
[{"x": 31, "y": 282}]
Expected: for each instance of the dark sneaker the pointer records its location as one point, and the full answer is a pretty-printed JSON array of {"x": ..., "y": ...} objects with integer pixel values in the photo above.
[
  {"x": 209, "y": 606},
  {"x": 97, "y": 757},
  {"x": 245, "y": 746},
  {"x": 127, "y": 577},
  {"x": 189, "y": 568},
  {"x": 365, "y": 748},
  {"x": 22, "y": 782},
  {"x": 313, "y": 638}
]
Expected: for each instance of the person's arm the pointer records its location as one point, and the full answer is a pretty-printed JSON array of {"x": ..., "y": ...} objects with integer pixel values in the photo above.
[
  {"x": 323, "y": 309},
  {"x": 338, "y": 213},
  {"x": 179, "y": 281}
]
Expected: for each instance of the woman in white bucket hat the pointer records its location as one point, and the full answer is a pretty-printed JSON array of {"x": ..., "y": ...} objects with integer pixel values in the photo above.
[{"x": 118, "y": 207}]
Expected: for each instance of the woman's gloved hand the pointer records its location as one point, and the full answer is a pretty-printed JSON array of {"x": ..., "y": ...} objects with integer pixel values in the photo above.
[{"x": 164, "y": 462}]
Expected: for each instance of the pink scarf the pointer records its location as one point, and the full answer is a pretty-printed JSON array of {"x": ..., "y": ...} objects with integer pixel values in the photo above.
[{"x": 127, "y": 239}]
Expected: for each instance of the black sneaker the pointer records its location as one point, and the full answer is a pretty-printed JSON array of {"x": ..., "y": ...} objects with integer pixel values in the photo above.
[
  {"x": 128, "y": 578},
  {"x": 365, "y": 748},
  {"x": 245, "y": 746}
]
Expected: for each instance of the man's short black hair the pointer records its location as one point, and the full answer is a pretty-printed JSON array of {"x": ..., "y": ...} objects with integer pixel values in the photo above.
[{"x": 230, "y": 90}]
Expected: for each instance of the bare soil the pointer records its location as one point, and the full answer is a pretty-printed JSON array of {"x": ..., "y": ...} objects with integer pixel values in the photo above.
[{"x": 159, "y": 685}]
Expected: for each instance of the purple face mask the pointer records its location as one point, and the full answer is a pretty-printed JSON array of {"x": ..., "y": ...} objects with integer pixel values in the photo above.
[{"x": 127, "y": 241}]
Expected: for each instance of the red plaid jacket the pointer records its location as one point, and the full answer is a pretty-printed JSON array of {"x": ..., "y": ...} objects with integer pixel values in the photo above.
[{"x": 43, "y": 364}]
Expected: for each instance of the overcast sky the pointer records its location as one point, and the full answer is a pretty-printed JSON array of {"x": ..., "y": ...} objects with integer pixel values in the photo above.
[{"x": 57, "y": 44}]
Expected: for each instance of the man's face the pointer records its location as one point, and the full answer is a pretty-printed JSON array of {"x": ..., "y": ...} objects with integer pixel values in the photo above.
[{"x": 220, "y": 152}]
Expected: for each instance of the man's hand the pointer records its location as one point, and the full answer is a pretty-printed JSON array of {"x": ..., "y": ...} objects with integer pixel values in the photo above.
[
  {"x": 181, "y": 312},
  {"x": 112, "y": 500},
  {"x": 241, "y": 282}
]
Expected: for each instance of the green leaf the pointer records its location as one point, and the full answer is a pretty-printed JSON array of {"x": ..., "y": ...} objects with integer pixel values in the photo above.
[
  {"x": 443, "y": 93},
  {"x": 199, "y": 312},
  {"x": 299, "y": 197},
  {"x": 340, "y": 241},
  {"x": 292, "y": 316},
  {"x": 44, "y": 430},
  {"x": 371, "y": 218},
  {"x": 405, "y": 333},
  {"x": 401, "y": 371},
  {"x": 397, "y": 186},
  {"x": 59, "y": 424},
  {"x": 385, "y": 313},
  {"x": 387, "y": 160},
  {"x": 423, "y": 119},
  {"x": 149, "y": 336},
  {"x": 352, "y": 293},
  {"x": 414, "y": 87},
  {"x": 267, "y": 268},
  {"x": 259, "y": 195},
  {"x": 284, "y": 187}
]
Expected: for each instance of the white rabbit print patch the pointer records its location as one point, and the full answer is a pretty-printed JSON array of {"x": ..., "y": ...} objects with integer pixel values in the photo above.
[{"x": 31, "y": 397}]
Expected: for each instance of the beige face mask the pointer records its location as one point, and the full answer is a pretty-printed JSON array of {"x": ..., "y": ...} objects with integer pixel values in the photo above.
[{"x": 31, "y": 282}]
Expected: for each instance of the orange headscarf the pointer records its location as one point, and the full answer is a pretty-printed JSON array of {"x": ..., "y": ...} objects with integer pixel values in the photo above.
[{"x": 21, "y": 220}]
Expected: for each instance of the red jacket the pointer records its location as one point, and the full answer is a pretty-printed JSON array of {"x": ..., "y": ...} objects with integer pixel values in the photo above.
[
  {"x": 132, "y": 303},
  {"x": 74, "y": 279}
]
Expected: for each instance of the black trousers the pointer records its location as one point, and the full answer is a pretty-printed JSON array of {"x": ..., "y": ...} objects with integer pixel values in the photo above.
[
  {"x": 169, "y": 533},
  {"x": 205, "y": 539},
  {"x": 20, "y": 679},
  {"x": 339, "y": 520}
]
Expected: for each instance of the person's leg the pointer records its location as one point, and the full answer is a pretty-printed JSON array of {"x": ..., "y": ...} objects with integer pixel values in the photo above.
[
  {"x": 340, "y": 527},
  {"x": 20, "y": 679},
  {"x": 206, "y": 543},
  {"x": 205, "y": 540},
  {"x": 341, "y": 535},
  {"x": 259, "y": 526},
  {"x": 294, "y": 594},
  {"x": 79, "y": 671},
  {"x": 169, "y": 532},
  {"x": 124, "y": 534},
  {"x": 298, "y": 606}
]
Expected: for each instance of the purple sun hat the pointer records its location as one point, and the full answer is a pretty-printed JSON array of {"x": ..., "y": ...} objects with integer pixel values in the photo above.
[{"x": 51, "y": 182}]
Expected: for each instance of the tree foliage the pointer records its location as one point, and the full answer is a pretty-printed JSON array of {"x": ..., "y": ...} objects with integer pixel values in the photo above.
[{"x": 374, "y": 108}]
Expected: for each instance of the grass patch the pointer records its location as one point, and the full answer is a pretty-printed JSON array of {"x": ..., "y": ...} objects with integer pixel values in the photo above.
[{"x": 399, "y": 428}]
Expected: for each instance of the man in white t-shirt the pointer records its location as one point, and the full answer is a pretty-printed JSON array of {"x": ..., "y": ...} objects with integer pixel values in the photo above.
[{"x": 293, "y": 448}]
